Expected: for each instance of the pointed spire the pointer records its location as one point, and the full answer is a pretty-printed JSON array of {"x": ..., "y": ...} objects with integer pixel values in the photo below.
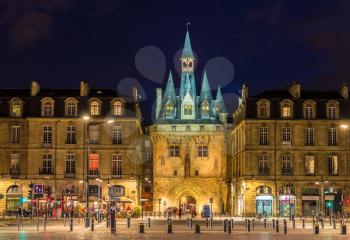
[
  {"x": 205, "y": 89},
  {"x": 220, "y": 100},
  {"x": 170, "y": 89},
  {"x": 187, "y": 49}
]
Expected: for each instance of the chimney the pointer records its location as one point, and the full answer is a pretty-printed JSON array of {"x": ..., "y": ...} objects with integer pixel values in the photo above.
[
  {"x": 158, "y": 101},
  {"x": 135, "y": 94},
  {"x": 34, "y": 88},
  {"x": 344, "y": 90},
  {"x": 294, "y": 89},
  {"x": 84, "y": 88}
]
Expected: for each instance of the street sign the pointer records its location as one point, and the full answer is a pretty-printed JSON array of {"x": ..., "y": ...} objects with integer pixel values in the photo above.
[
  {"x": 38, "y": 189},
  {"x": 211, "y": 200}
]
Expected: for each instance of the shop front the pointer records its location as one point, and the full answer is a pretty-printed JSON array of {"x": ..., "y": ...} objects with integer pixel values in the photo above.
[
  {"x": 264, "y": 201},
  {"x": 310, "y": 201},
  {"x": 287, "y": 200},
  {"x": 122, "y": 203},
  {"x": 333, "y": 201},
  {"x": 14, "y": 196}
]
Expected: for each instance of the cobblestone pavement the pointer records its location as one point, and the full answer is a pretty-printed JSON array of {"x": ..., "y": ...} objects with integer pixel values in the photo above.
[{"x": 158, "y": 230}]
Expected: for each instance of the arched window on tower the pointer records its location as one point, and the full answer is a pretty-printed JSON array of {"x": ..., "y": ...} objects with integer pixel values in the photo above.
[
  {"x": 188, "y": 109},
  {"x": 169, "y": 109}
]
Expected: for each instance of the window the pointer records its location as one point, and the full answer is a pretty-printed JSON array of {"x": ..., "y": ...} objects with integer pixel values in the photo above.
[
  {"x": 309, "y": 111},
  {"x": 173, "y": 151},
  {"x": 309, "y": 165},
  {"x": 332, "y": 111},
  {"x": 286, "y": 135},
  {"x": 188, "y": 109},
  {"x": 117, "y": 165},
  {"x": 47, "y": 164},
  {"x": 94, "y": 134},
  {"x": 117, "y": 135},
  {"x": 262, "y": 110},
  {"x": 162, "y": 160},
  {"x": 14, "y": 161},
  {"x": 196, "y": 173},
  {"x": 71, "y": 138},
  {"x": 309, "y": 136},
  {"x": 47, "y": 134},
  {"x": 263, "y": 165},
  {"x": 286, "y": 111},
  {"x": 332, "y": 136},
  {"x": 333, "y": 165},
  {"x": 94, "y": 108},
  {"x": 202, "y": 151},
  {"x": 286, "y": 165},
  {"x": 148, "y": 157},
  {"x": 218, "y": 109},
  {"x": 175, "y": 173},
  {"x": 117, "y": 191},
  {"x": 169, "y": 108},
  {"x": 263, "y": 137},
  {"x": 117, "y": 108},
  {"x": 71, "y": 109},
  {"x": 47, "y": 109},
  {"x": 16, "y": 109},
  {"x": 15, "y": 134},
  {"x": 94, "y": 164},
  {"x": 205, "y": 108},
  {"x": 70, "y": 164}
]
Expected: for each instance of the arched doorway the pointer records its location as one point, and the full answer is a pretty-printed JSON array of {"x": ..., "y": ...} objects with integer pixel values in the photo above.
[
  {"x": 187, "y": 205},
  {"x": 14, "y": 196}
]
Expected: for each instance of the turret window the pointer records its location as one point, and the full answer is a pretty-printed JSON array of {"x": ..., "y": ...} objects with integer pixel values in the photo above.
[
  {"x": 169, "y": 108},
  {"x": 205, "y": 108},
  {"x": 188, "y": 109}
]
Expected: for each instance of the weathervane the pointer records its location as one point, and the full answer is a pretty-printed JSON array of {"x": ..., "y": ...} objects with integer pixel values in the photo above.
[{"x": 188, "y": 23}]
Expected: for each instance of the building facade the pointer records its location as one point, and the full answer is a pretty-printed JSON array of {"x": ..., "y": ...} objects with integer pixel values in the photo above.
[
  {"x": 189, "y": 144},
  {"x": 290, "y": 152},
  {"x": 51, "y": 136}
]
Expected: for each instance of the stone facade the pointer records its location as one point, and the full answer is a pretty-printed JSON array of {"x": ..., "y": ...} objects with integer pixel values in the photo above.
[
  {"x": 32, "y": 144},
  {"x": 279, "y": 162}
]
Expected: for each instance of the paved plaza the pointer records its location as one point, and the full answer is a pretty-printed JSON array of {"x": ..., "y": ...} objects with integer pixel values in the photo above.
[{"x": 158, "y": 230}]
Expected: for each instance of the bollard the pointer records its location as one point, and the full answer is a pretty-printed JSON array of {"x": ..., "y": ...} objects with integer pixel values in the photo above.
[
  {"x": 322, "y": 224},
  {"x": 273, "y": 223},
  {"x": 293, "y": 221},
  {"x": 170, "y": 228},
  {"x": 211, "y": 223},
  {"x": 225, "y": 225},
  {"x": 142, "y": 228},
  {"x": 317, "y": 229},
  {"x": 191, "y": 222},
  {"x": 248, "y": 225},
  {"x": 149, "y": 222},
  {"x": 188, "y": 222},
  {"x": 113, "y": 223},
  {"x": 229, "y": 227},
  {"x": 277, "y": 226},
  {"x": 207, "y": 222},
  {"x": 334, "y": 224},
  {"x": 198, "y": 228},
  {"x": 108, "y": 221},
  {"x": 330, "y": 221},
  {"x": 128, "y": 222},
  {"x": 285, "y": 226},
  {"x": 265, "y": 223},
  {"x": 92, "y": 224},
  {"x": 303, "y": 222},
  {"x": 232, "y": 223},
  {"x": 313, "y": 223},
  {"x": 253, "y": 224},
  {"x": 343, "y": 229},
  {"x": 71, "y": 224}
]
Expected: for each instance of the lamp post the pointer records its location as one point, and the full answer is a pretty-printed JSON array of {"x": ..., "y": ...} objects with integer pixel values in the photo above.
[
  {"x": 86, "y": 120},
  {"x": 164, "y": 204},
  {"x": 345, "y": 127}
]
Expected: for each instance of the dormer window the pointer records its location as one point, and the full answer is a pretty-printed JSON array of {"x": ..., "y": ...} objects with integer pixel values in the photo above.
[
  {"x": 332, "y": 110},
  {"x": 15, "y": 108},
  {"x": 47, "y": 107},
  {"x": 286, "y": 109},
  {"x": 71, "y": 107},
  {"x": 205, "y": 108},
  {"x": 309, "y": 110},
  {"x": 94, "y": 108},
  {"x": 188, "y": 109},
  {"x": 117, "y": 108},
  {"x": 263, "y": 109}
]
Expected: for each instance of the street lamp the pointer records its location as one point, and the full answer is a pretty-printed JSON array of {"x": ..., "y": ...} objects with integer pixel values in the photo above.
[{"x": 345, "y": 127}]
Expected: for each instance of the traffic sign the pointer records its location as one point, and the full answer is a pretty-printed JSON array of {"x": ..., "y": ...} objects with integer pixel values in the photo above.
[{"x": 38, "y": 189}]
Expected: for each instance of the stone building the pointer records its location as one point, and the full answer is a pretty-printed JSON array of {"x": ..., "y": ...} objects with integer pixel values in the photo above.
[
  {"x": 290, "y": 152},
  {"x": 189, "y": 144},
  {"x": 48, "y": 135}
]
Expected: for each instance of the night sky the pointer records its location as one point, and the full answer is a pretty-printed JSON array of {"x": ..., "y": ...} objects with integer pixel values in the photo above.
[{"x": 116, "y": 44}]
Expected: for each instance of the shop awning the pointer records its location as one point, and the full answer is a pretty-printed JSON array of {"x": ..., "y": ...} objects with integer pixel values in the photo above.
[{"x": 122, "y": 199}]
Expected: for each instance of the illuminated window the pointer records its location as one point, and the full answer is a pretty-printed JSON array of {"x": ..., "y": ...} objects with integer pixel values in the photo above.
[
  {"x": 16, "y": 109},
  {"x": 15, "y": 134},
  {"x": 188, "y": 109},
  {"x": 205, "y": 108},
  {"x": 286, "y": 111},
  {"x": 333, "y": 165},
  {"x": 169, "y": 109},
  {"x": 117, "y": 108},
  {"x": 286, "y": 135},
  {"x": 309, "y": 164},
  {"x": 94, "y": 108},
  {"x": 94, "y": 164}
]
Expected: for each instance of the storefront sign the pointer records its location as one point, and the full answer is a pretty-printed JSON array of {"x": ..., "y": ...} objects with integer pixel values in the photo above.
[
  {"x": 329, "y": 197},
  {"x": 311, "y": 198},
  {"x": 264, "y": 197}
]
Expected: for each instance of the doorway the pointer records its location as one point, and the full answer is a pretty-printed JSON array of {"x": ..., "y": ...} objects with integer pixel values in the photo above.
[{"x": 188, "y": 205}]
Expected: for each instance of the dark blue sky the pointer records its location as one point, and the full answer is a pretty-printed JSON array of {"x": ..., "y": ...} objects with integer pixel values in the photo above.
[{"x": 269, "y": 43}]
